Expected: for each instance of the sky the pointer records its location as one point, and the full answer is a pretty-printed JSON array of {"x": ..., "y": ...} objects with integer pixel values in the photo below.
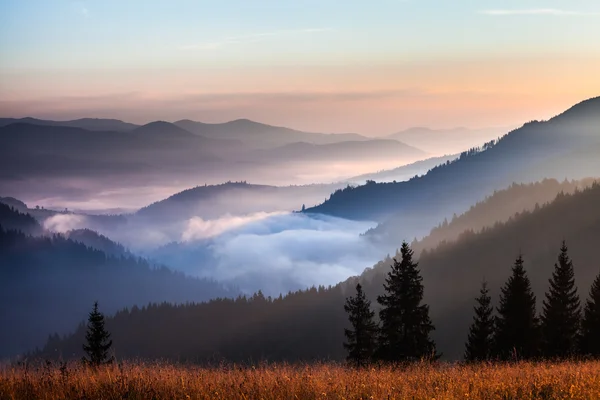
[{"x": 371, "y": 67}]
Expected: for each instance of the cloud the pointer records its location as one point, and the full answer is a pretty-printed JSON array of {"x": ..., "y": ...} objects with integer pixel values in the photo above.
[
  {"x": 279, "y": 253},
  {"x": 65, "y": 222},
  {"x": 537, "y": 11},
  {"x": 198, "y": 228},
  {"x": 250, "y": 38}
]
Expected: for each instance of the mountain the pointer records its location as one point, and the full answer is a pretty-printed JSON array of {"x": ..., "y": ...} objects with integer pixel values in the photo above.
[
  {"x": 213, "y": 201},
  {"x": 97, "y": 241},
  {"x": 499, "y": 207},
  {"x": 13, "y": 219},
  {"x": 161, "y": 129},
  {"x": 309, "y": 325},
  {"x": 342, "y": 151},
  {"x": 567, "y": 146},
  {"x": 404, "y": 172},
  {"x": 48, "y": 283},
  {"x": 90, "y": 124},
  {"x": 446, "y": 141},
  {"x": 33, "y": 150},
  {"x": 261, "y": 135},
  {"x": 14, "y": 203}
]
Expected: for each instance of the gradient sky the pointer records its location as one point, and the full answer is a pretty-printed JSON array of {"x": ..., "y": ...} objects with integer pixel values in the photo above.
[{"x": 372, "y": 67}]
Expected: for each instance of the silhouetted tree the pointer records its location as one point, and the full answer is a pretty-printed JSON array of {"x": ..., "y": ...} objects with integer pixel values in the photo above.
[
  {"x": 405, "y": 323},
  {"x": 361, "y": 339},
  {"x": 590, "y": 324},
  {"x": 517, "y": 326},
  {"x": 562, "y": 310},
  {"x": 479, "y": 342},
  {"x": 98, "y": 341}
]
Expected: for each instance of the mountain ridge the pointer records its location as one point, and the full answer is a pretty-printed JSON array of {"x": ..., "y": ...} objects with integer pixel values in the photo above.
[{"x": 535, "y": 151}]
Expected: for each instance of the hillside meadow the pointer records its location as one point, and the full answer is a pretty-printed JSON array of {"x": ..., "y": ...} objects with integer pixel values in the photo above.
[{"x": 518, "y": 381}]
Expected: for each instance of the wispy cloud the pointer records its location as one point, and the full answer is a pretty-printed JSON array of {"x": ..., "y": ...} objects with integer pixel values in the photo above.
[
  {"x": 250, "y": 38},
  {"x": 538, "y": 11}
]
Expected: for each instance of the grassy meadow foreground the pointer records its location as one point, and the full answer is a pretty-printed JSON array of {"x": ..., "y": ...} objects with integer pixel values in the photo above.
[{"x": 566, "y": 380}]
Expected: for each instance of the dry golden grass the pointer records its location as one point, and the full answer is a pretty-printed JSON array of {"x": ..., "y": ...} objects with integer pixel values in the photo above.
[{"x": 568, "y": 380}]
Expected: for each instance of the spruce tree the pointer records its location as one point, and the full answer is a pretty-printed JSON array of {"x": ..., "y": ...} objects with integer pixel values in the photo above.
[
  {"x": 98, "y": 341},
  {"x": 361, "y": 339},
  {"x": 479, "y": 342},
  {"x": 562, "y": 310},
  {"x": 590, "y": 325},
  {"x": 405, "y": 323},
  {"x": 517, "y": 326}
]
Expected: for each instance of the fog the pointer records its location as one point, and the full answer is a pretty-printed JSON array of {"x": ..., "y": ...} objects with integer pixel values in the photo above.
[
  {"x": 126, "y": 192},
  {"x": 198, "y": 228},
  {"x": 275, "y": 252}
]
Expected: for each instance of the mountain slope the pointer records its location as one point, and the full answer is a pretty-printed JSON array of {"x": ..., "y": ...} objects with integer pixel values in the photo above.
[
  {"x": 566, "y": 146},
  {"x": 499, "y": 207},
  {"x": 47, "y": 285},
  {"x": 261, "y": 135},
  {"x": 309, "y": 325},
  {"x": 444, "y": 141},
  {"x": 90, "y": 124},
  {"x": 12, "y": 219},
  {"x": 213, "y": 201},
  {"x": 353, "y": 150},
  {"x": 27, "y": 150},
  {"x": 161, "y": 129},
  {"x": 404, "y": 172}
]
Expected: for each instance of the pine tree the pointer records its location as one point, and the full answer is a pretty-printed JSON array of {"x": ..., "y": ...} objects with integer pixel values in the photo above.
[
  {"x": 479, "y": 342},
  {"x": 562, "y": 310},
  {"x": 405, "y": 323},
  {"x": 590, "y": 325},
  {"x": 517, "y": 326},
  {"x": 361, "y": 339},
  {"x": 98, "y": 341}
]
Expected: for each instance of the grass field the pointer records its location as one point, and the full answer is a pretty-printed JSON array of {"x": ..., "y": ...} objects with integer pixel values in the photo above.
[{"x": 568, "y": 380}]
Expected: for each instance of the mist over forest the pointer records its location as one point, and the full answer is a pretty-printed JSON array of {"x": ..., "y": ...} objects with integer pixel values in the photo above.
[{"x": 147, "y": 218}]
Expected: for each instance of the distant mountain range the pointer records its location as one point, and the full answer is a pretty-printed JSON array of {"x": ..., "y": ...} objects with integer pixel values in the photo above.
[
  {"x": 90, "y": 124},
  {"x": 348, "y": 151},
  {"x": 34, "y": 150},
  {"x": 567, "y": 146},
  {"x": 253, "y": 134},
  {"x": 259, "y": 135}
]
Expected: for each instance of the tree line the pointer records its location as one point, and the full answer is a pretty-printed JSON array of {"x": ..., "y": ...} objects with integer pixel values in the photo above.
[{"x": 513, "y": 331}]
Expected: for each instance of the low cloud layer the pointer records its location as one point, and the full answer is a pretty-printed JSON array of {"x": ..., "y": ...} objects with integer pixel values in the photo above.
[
  {"x": 65, "y": 222},
  {"x": 275, "y": 252},
  {"x": 198, "y": 228}
]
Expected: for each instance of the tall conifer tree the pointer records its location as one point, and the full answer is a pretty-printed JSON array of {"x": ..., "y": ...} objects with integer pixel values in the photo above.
[
  {"x": 361, "y": 339},
  {"x": 562, "y": 310},
  {"x": 98, "y": 341},
  {"x": 590, "y": 325},
  {"x": 517, "y": 326},
  {"x": 405, "y": 323},
  {"x": 479, "y": 342}
]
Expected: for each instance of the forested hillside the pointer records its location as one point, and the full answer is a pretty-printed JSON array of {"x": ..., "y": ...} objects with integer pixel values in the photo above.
[
  {"x": 47, "y": 283},
  {"x": 309, "y": 324},
  {"x": 498, "y": 207},
  {"x": 564, "y": 147}
]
